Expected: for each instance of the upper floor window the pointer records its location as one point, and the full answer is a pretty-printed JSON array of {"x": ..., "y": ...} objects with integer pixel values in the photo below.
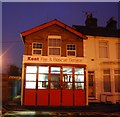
[
  {"x": 37, "y": 48},
  {"x": 117, "y": 50},
  {"x": 103, "y": 49},
  {"x": 54, "y": 45},
  {"x": 71, "y": 50}
]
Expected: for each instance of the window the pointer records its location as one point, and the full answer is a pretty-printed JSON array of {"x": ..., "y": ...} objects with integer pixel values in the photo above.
[
  {"x": 31, "y": 72},
  {"x": 71, "y": 50},
  {"x": 37, "y": 48},
  {"x": 55, "y": 78},
  {"x": 79, "y": 78},
  {"x": 117, "y": 50},
  {"x": 103, "y": 49},
  {"x": 54, "y": 45},
  {"x": 67, "y": 78},
  {"x": 107, "y": 80},
  {"x": 91, "y": 90},
  {"x": 43, "y": 77},
  {"x": 117, "y": 80}
]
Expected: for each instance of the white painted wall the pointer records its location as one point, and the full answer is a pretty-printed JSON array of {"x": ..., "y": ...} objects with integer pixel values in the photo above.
[{"x": 94, "y": 63}]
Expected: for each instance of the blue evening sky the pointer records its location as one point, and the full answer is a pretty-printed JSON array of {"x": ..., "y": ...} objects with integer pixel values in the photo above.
[{"x": 20, "y": 16}]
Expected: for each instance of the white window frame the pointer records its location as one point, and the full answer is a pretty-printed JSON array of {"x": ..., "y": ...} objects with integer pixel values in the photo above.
[
  {"x": 36, "y": 48},
  {"x": 59, "y": 47},
  {"x": 70, "y": 50},
  {"x": 104, "y": 48}
]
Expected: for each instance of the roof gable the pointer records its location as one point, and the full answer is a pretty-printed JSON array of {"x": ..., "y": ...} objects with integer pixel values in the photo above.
[{"x": 53, "y": 22}]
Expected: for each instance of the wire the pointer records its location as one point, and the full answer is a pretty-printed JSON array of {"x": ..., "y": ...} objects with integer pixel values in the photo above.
[{"x": 11, "y": 42}]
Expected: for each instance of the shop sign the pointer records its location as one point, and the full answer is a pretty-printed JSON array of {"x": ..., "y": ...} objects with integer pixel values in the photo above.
[{"x": 52, "y": 59}]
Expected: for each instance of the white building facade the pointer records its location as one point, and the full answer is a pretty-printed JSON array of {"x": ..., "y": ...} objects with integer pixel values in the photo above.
[
  {"x": 103, "y": 68},
  {"x": 103, "y": 60}
]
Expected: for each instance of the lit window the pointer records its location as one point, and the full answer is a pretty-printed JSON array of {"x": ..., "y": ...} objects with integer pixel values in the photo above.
[
  {"x": 31, "y": 69},
  {"x": 107, "y": 80},
  {"x": 55, "y": 70},
  {"x": 71, "y": 50},
  {"x": 30, "y": 81},
  {"x": 37, "y": 48},
  {"x": 43, "y": 69},
  {"x": 103, "y": 49},
  {"x": 43, "y": 77},
  {"x": 54, "y": 45},
  {"x": 30, "y": 85},
  {"x": 79, "y": 78}
]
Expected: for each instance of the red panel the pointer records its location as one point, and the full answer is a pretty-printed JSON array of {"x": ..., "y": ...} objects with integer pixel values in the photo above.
[
  {"x": 79, "y": 97},
  {"x": 67, "y": 97},
  {"x": 54, "y": 97},
  {"x": 30, "y": 97},
  {"x": 42, "y": 97}
]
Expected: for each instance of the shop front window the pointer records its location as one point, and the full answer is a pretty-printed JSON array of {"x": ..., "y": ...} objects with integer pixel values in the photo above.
[
  {"x": 31, "y": 72},
  {"x": 43, "y": 77},
  {"x": 79, "y": 78},
  {"x": 55, "y": 78},
  {"x": 67, "y": 78}
]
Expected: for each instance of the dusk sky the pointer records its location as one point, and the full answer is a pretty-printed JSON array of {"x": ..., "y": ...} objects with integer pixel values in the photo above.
[{"x": 21, "y": 16}]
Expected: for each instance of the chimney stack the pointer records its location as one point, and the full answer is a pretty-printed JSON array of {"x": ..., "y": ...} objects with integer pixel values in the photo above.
[
  {"x": 91, "y": 22},
  {"x": 111, "y": 23}
]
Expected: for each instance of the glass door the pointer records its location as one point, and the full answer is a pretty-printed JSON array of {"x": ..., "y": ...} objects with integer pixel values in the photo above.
[
  {"x": 67, "y": 86},
  {"x": 55, "y": 92},
  {"x": 43, "y": 86},
  {"x": 30, "y": 85},
  {"x": 79, "y": 89}
]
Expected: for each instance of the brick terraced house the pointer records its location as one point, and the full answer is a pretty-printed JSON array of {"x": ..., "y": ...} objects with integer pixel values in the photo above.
[{"x": 53, "y": 67}]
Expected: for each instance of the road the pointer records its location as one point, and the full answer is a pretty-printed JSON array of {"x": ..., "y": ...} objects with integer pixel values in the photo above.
[{"x": 93, "y": 110}]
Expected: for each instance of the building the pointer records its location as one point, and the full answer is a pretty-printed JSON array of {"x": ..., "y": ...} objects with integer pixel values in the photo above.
[
  {"x": 103, "y": 60},
  {"x": 53, "y": 66},
  {"x": 63, "y": 67},
  {"x": 11, "y": 86}
]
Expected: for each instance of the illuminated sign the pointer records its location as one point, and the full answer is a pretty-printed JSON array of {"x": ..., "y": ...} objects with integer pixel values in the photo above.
[{"x": 47, "y": 59}]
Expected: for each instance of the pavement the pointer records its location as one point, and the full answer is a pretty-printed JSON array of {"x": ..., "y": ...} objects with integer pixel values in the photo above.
[
  {"x": 14, "y": 109},
  {"x": 93, "y": 110}
]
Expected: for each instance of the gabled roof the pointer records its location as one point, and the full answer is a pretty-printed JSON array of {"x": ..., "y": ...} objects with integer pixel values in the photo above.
[{"x": 53, "y": 22}]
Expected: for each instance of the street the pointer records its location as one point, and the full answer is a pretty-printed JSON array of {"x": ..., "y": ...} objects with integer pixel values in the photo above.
[{"x": 93, "y": 110}]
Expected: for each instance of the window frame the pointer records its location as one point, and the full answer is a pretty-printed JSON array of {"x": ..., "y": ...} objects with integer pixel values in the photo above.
[
  {"x": 41, "y": 49},
  {"x": 70, "y": 50},
  {"x": 117, "y": 80},
  {"x": 107, "y": 87},
  {"x": 29, "y": 82},
  {"x": 55, "y": 37},
  {"x": 103, "y": 47}
]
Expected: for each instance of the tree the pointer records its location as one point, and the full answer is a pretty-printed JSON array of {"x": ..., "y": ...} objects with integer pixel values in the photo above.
[{"x": 13, "y": 70}]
